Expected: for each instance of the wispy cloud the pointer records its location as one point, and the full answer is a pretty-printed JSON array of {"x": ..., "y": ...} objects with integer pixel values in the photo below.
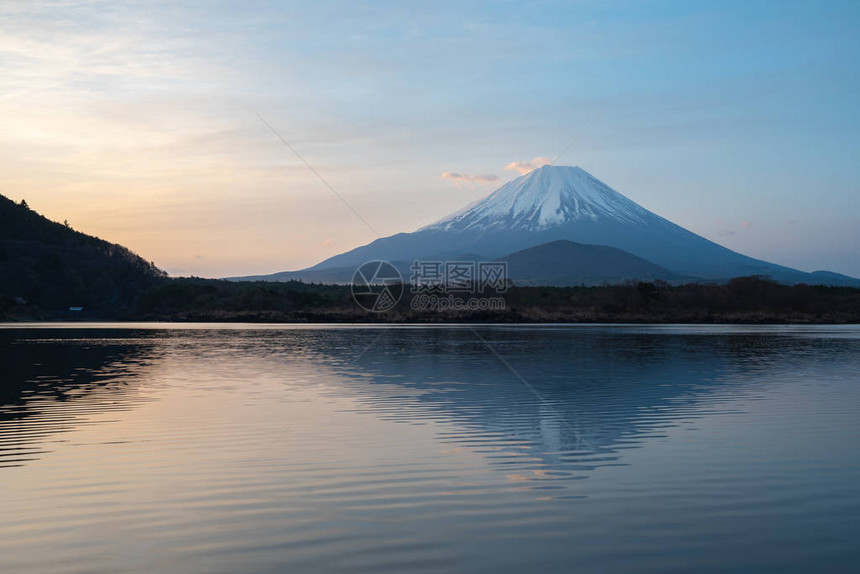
[
  {"x": 729, "y": 230},
  {"x": 526, "y": 166},
  {"x": 460, "y": 178}
]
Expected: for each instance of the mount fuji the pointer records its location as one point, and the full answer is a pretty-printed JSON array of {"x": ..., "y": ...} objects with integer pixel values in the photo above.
[{"x": 555, "y": 203}]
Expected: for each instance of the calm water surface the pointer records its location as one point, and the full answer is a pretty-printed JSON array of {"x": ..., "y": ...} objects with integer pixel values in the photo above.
[{"x": 217, "y": 448}]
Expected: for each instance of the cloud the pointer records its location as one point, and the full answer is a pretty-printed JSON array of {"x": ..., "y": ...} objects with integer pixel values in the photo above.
[
  {"x": 328, "y": 242},
  {"x": 460, "y": 178},
  {"x": 526, "y": 166}
]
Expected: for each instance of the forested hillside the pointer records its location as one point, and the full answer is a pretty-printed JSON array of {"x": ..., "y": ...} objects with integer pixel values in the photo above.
[{"x": 48, "y": 266}]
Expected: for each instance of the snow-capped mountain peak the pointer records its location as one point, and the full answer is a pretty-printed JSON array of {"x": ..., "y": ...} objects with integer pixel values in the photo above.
[
  {"x": 554, "y": 206},
  {"x": 546, "y": 197}
]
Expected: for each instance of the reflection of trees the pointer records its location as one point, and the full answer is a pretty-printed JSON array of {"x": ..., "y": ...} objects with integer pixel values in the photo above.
[{"x": 50, "y": 381}]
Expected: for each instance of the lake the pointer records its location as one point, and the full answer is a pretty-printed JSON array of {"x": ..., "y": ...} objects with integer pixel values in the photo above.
[{"x": 272, "y": 448}]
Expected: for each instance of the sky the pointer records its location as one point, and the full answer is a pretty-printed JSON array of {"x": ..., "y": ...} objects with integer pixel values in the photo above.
[{"x": 140, "y": 122}]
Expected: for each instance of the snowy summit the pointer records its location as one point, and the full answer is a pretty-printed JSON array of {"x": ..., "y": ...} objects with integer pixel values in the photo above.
[{"x": 545, "y": 197}]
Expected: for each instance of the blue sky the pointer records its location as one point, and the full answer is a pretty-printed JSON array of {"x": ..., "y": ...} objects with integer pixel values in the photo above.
[{"x": 136, "y": 122}]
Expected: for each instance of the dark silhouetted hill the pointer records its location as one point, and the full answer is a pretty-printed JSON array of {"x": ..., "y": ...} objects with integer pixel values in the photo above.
[
  {"x": 564, "y": 262},
  {"x": 47, "y": 267}
]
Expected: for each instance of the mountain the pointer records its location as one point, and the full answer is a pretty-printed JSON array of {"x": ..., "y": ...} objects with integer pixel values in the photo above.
[
  {"x": 52, "y": 267},
  {"x": 564, "y": 262},
  {"x": 562, "y": 203}
]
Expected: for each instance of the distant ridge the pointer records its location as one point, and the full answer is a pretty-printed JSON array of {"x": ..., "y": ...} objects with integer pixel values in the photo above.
[{"x": 556, "y": 263}]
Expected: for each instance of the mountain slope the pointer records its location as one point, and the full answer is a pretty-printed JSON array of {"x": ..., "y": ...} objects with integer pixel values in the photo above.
[
  {"x": 53, "y": 267},
  {"x": 553, "y": 203}
]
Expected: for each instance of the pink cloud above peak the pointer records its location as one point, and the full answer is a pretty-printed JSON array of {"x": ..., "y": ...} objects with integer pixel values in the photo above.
[{"x": 526, "y": 166}]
